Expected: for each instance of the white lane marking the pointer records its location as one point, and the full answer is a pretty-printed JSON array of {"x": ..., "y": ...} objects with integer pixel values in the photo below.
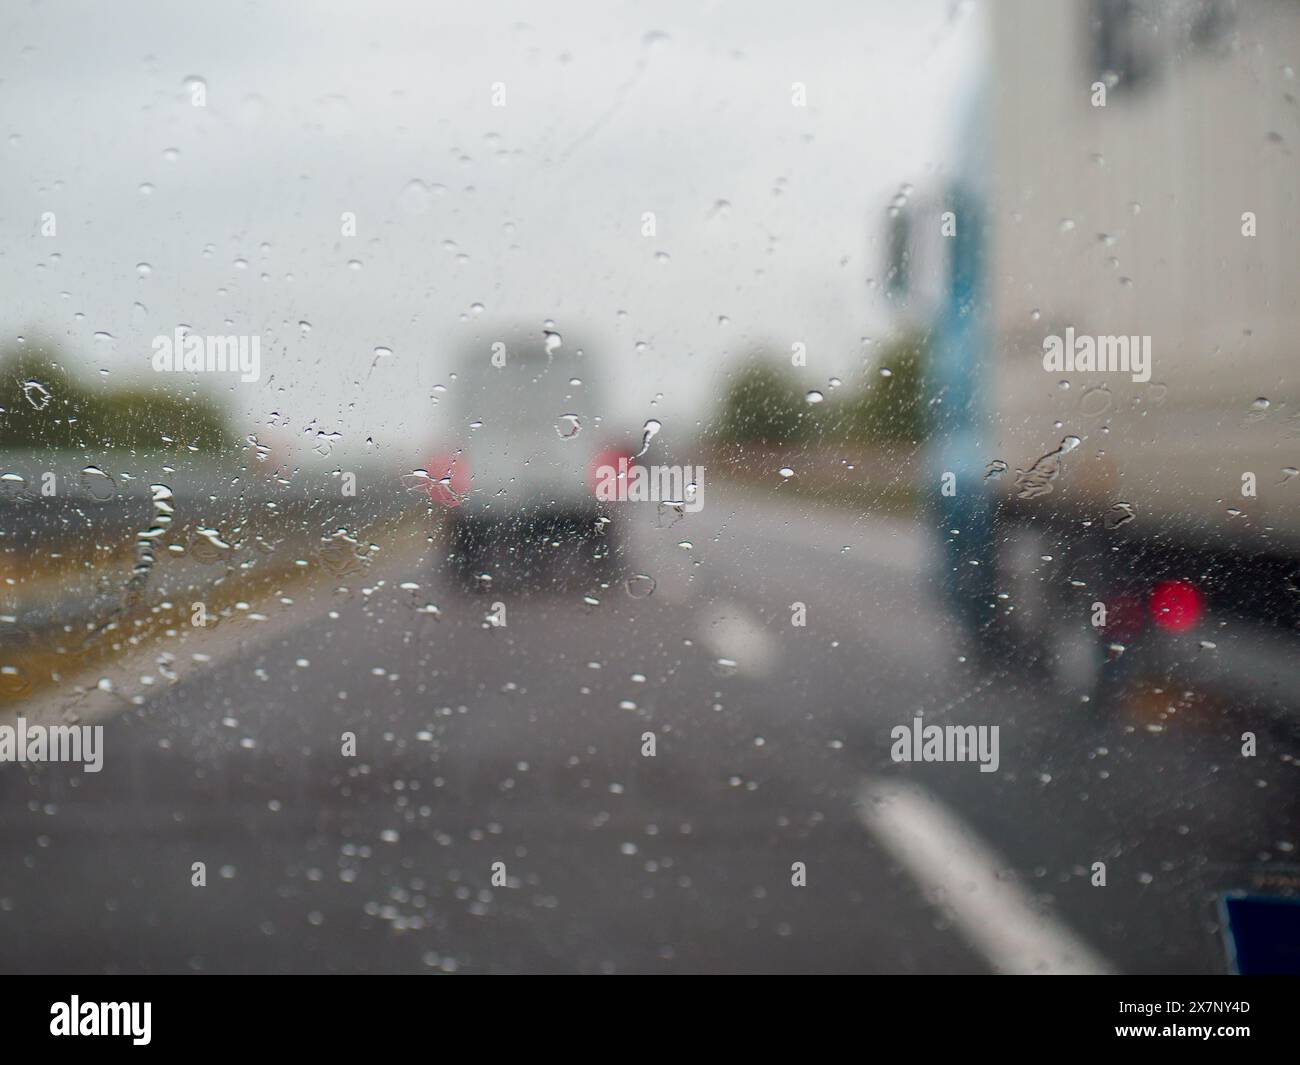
[{"x": 953, "y": 865}]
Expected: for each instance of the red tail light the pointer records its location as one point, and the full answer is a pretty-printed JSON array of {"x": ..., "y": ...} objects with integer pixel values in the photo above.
[
  {"x": 449, "y": 479},
  {"x": 1176, "y": 605},
  {"x": 612, "y": 462}
]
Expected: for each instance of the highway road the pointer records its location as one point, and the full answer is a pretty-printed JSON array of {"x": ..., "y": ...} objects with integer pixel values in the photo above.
[{"x": 500, "y": 813}]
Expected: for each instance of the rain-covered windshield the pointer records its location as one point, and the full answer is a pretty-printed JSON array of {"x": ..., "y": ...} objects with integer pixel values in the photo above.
[{"x": 650, "y": 488}]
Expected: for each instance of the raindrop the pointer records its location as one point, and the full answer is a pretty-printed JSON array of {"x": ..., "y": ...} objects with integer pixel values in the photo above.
[
  {"x": 648, "y": 432},
  {"x": 568, "y": 426},
  {"x": 786, "y": 471},
  {"x": 415, "y": 197},
  {"x": 814, "y": 397},
  {"x": 1095, "y": 402},
  {"x": 37, "y": 394},
  {"x": 207, "y": 546},
  {"x": 99, "y": 484},
  {"x": 13, "y": 684},
  {"x": 1118, "y": 514},
  {"x": 640, "y": 586},
  {"x": 1036, "y": 481},
  {"x": 996, "y": 468}
]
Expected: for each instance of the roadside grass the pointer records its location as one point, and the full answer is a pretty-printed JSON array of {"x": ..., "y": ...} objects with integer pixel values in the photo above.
[{"x": 75, "y": 654}]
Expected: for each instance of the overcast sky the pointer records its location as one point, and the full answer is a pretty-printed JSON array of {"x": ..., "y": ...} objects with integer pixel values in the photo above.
[{"x": 768, "y": 216}]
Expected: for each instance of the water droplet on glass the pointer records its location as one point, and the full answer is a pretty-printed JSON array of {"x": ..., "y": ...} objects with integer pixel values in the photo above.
[
  {"x": 1118, "y": 514},
  {"x": 36, "y": 394},
  {"x": 99, "y": 484},
  {"x": 568, "y": 426},
  {"x": 1095, "y": 401},
  {"x": 648, "y": 432},
  {"x": 1036, "y": 481},
  {"x": 640, "y": 586},
  {"x": 12, "y": 485},
  {"x": 13, "y": 684},
  {"x": 415, "y": 197}
]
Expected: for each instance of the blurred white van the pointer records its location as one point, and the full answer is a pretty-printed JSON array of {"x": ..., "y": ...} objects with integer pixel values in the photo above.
[{"x": 515, "y": 474}]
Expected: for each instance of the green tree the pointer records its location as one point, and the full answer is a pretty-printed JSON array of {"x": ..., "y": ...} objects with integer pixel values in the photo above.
[
  {"x": 765, "y": 405},
  {"x": 43, "y": 405},
  {"x": 891, "y": 409}
]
